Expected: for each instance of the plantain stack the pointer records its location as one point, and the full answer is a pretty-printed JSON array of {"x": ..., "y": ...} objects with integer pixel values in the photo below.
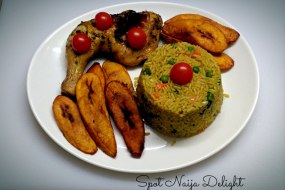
[
  {"x": 87, "y": 121},
  {"x": 204, "y": 32}
]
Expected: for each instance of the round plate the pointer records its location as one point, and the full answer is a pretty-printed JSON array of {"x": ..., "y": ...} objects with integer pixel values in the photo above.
[{"x": 47, "y": 71}]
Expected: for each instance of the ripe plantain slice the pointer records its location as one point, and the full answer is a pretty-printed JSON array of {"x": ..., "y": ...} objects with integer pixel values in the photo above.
[
  {"x": 209, "y": 38},
  {"x": 184, "y": 17},
  {"x": 224, "y": 61},
  {"x": 69, "y": 122},
  {"x": 117, "y": 72},
  {"x": 97, "y": 70},
  {"x": 197, "y": 32},
  {"x": 230, "y": 34},
  {"x": 126, "y": 116},
  {"x": 92, "y": 106},
  {"x": 169, "y": 39}
]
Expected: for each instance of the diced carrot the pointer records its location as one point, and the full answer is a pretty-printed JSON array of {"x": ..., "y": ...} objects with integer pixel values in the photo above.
[
  {"x": 161, "y": 85},
  {"x": 186, "y": 54},
  {"x": 196, "y": 53},
  {"x": 193, "y": 98},
  {"x": 156, "y": 95}
]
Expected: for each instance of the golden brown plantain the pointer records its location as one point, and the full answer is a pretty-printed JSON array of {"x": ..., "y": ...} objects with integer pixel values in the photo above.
[
  {"x": 231, "y": 35},
  {"x": 184, "y": 17},
  {"x": 197, "y": 32},
  {"x": 69, "y": 122},
  {"x": 97, "y": 70},
  {"x": 116, "y": 72},
  {"x": 92, "y": 106},
  {"x": 170, "y": 39},
  {"x": 209, "y": 38},
  {"x": 224, "y": 61},
  {"x": 126, "y": 115}
]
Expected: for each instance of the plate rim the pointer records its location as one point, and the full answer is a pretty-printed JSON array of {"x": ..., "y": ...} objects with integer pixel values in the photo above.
[{"x": 211, "y": 153}]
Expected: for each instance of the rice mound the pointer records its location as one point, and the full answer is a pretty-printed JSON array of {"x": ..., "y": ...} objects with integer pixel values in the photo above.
[{"x": 180, "y": 110}]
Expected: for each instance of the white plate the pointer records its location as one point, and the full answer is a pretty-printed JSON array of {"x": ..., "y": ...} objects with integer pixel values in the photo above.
[{"x": 48, "y": 67}]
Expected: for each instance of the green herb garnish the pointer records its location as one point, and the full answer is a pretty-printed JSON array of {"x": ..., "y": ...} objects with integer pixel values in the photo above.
[
  {"x": 147, "y": 71},
  {"x": 171, "y": 61}
]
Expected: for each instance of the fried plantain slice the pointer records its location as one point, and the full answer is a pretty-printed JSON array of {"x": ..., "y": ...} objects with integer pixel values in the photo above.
[
  {"x": 70, "y": 124},
  {"x": 209, "y": 38},
  {"x": 97, "y": 70},
  {"x": 180, "y": 29},
  {"x": 117, "y": 72},
  {"x": 126, "y": 115},
  {"x": 197, "y": 32},
  {"x": 185, "y": 16},
  {"x": 224, "y": 61},
  {"x": 231, "y": 34},
  {"x": 169, "y": 39},
  {"x": 92, "y": 106}
]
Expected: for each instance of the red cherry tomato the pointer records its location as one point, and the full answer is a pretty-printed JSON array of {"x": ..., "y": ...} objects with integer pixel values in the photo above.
[
  {"x": 81, "y": 43},
  {"x": 181, "y": 73},
  {"x": 136, "y": 38},
  {"x": 103, "y": 20}
]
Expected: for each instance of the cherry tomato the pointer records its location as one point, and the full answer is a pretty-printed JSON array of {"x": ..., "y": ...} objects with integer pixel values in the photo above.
[
  {"x": 181, "y": 73},
  {"x": 103, "y": 20},
  {"x": 81, "y": 43},
  {"x": 136, "y": 38}
]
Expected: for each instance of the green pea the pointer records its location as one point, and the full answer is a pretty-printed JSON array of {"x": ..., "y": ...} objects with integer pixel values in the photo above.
[
  {"x": 147, "y": 71},
  {"x": 210, "y": 97},
  {"x": 209, "y": 74},
  {"x": 196, "y": 69},
  {"x": 191, "y": 49},
  {"x": 176, "y": 91},
  {"x": 164, "y": 78},
  {"x": 171, "y": 61}
]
